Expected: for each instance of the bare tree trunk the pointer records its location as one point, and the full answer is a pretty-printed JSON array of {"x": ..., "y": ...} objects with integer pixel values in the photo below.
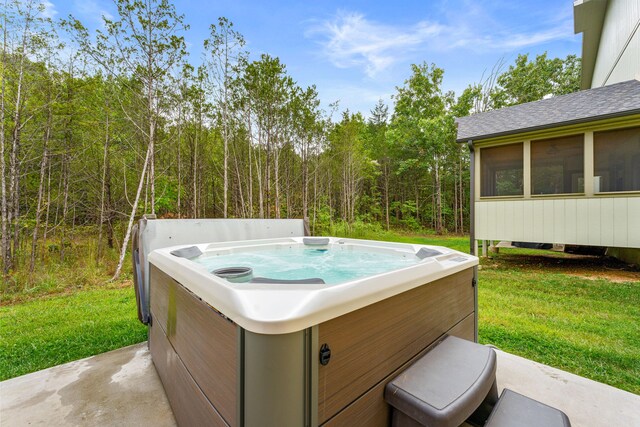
[
  {"x": 179, "y": 161},
  {"x": 439, "y": 227},
  {"x": 66, "y": 159},
  {"x": 289, "y": 187},
  {"x": 4, "y": 244},
  {"x": 225, "y": 183},
  {"x": 151, "y": 105},
  {"x": 105, "y": 157},
  {"x": 455, "y": 202},
  {"x": 109, "y": 206},
  {"x": 345, "y": 189},
  {"x": 433, "y": 211},
  {"x": 305, "y": 179},
  {"x": 73, "y": 223},
  {"x": 15, "y": 190},
  {"x": 60, "y": 186},
  {"x": 65, "y": 205},
  {"x": 125, "y": 241},
  {"x": 46, "y": 215},
  {"x": 43, "y": 167},
  {"x": 276, "y": 175},
  {"x": 195, "y": 177},
  {"x": 258, "y": 158},
  {"x": 202, "y": 201},
  {"x": 250, "y": 181},
  {"x": 240, "y": 188},
  {"x": 351, "y": 188},
  {"x": 146, "y": 195},
  {"x": 315, "y": 198},
  {"x": 267, "y": 176},
  {"x": 386, "y": 191},
  {"x": 152, "y": 169},
  {"x": 13, "y": 207},
  {"x": 417, "y": 203}
]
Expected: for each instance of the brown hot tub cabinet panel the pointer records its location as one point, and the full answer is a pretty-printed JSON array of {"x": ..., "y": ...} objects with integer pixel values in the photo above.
[
  {"x": 206, "y": 342},
  {"x": 211, "y": 367},
  {"x": 370, "y": 409},
  {"x": 465, "y": 329},
  {"x": 370, "y": 343},
  {"x": 190, "y": 406}
]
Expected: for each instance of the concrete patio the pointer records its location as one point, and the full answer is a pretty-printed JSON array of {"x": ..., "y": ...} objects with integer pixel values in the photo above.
[{"x": 122, "y": 388}]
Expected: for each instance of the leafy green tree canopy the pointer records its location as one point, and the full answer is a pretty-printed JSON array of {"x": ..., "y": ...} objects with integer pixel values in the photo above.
[{"x": 532, "y": 80}]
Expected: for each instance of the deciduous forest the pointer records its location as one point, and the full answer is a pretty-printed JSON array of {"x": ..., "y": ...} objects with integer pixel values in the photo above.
[{"x": 101, "y": 127}]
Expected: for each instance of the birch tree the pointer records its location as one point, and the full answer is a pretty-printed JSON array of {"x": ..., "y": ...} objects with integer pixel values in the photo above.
[
  {"x": 26, "y": 33},
  {"x": 43, "y": 168},
  {"x": 224, "y": 55},
  {"x": 268, "y": 90},
  {"x": 143, "y": 42},
  {"x": 308, "y": 130}
]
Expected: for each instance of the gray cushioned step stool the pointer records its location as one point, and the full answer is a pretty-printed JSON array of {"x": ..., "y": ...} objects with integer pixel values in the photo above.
[
  {"x": 456, "y": 382},
  {"x": 446, "y": 386},
  {"x": 516, "y": 410}
]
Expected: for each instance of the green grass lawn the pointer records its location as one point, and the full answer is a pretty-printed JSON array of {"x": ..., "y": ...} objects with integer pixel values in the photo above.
[
  {"x": 52, "y": 330},
  {"x": 548, "y": 307},
  {"x": 585, "y": 326}
]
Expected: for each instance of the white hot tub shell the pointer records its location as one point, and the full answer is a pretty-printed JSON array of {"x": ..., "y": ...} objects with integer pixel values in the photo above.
[{"x": 288, "y": 354}]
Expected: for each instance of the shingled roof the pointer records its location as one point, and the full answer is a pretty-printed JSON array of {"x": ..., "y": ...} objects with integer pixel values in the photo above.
[{"x": 615, "y": 100}]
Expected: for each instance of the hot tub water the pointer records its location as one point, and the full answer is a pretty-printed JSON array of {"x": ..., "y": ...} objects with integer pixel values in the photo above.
[{"x": 333, "y": 265}]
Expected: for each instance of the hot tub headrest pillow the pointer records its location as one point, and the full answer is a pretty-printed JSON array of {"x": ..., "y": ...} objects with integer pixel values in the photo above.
[
  {"x": 427, "y": 253},
  {"x": 190, "y": 252}
]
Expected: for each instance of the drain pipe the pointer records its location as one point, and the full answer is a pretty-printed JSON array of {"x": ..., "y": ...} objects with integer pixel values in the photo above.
[
  {"x": 472, "y": 233},
  {"x": 472, "y": 197}
]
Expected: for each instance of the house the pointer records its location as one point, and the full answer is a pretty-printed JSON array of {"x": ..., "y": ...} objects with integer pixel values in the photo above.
[
  {"x": 566, "y": 169},
  {"x": 610, "y": 40}
]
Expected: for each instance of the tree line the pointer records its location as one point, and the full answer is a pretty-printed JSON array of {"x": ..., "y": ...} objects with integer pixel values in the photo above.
[{"x": 117, "y": 123}]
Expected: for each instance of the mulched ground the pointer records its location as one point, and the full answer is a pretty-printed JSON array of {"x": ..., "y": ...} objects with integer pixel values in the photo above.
[{"x": 583, "y": 266}]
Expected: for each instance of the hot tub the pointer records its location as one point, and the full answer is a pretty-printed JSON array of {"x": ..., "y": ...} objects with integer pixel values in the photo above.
[{"x": 305, "y": 332}]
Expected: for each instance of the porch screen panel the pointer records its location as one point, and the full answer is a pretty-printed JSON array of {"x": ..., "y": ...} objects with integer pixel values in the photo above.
[
  {"x": 617, "y": 160},
  {"x": 501, "y": 170},
  {"x": 557, "y": 165}
]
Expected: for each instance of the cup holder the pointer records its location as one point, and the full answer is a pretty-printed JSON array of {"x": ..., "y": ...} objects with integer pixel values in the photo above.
[{"x": 235, "y": 274}]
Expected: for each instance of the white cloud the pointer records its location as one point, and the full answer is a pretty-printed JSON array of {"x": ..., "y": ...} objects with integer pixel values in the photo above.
[
  {"x": 48, "y": 10},
  {"x": 350, "y": 40},
  {"x": 90, "y": 9},
  {"x": 522, "y": 40}
]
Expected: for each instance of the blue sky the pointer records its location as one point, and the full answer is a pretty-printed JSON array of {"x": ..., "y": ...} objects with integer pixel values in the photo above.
[{"x": 358, "y": 51}]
